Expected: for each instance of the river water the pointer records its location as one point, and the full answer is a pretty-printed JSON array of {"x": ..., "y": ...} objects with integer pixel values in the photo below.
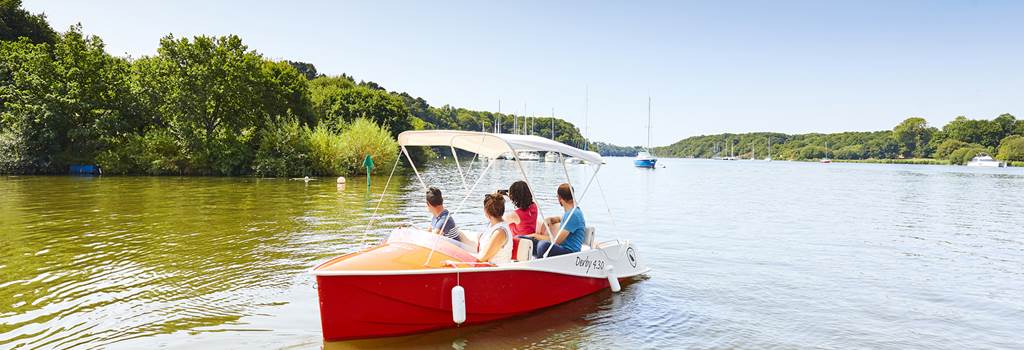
[{"x": 744, "y": 254}]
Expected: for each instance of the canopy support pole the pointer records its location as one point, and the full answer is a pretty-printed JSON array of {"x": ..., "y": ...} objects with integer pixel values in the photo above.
[
  {"x": 413, "y": 165},
  {"x": 457, "y": 209},
  {"x": 575, "y": 202},
  {"x": 459, "y": 166},
  {"x": 381, "y": 200}
]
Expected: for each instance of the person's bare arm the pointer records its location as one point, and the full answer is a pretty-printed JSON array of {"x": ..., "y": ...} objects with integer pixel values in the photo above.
[
  {"x": 512, "y": 218},
  {"x": 562, "y": 235},
  {"x": 493, "y": 246}
]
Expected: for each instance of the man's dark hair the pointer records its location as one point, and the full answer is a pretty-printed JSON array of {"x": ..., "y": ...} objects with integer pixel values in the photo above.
[
  {"x": 565, "y": 192},
  {"x": 434, "y": 197},
  {"x": 520, "y": 194}
]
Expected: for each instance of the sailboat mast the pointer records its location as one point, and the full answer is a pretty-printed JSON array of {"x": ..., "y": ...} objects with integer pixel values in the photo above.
[
  {"x": 648, "y": 123},
  {"x": 586, "y": 119},
  {"x": 552, "y": 124}
]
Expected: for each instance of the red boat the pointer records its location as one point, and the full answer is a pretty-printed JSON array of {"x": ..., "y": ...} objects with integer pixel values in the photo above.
[{"x": 416, "y": 281}]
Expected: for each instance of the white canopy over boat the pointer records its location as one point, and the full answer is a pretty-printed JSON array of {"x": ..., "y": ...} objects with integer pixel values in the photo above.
[{"x": 492, "y": 145}]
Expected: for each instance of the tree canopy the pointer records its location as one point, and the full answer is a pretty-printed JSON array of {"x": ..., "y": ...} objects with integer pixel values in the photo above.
[
  {"x": 203, "y": 105},
  {"x": 17, "y": 23}
]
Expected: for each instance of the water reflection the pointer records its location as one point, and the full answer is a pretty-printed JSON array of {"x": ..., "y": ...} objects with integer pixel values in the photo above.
[{"x": 99, "y": 260}]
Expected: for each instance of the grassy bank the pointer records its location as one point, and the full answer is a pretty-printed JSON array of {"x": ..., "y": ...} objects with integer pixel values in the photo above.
[{"x": 918, "y": 161}]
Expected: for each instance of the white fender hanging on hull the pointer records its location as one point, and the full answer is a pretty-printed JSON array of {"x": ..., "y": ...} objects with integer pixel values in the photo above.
[
  {"x": 458, "y": 304},
  {"x": 613, "y": 280}
]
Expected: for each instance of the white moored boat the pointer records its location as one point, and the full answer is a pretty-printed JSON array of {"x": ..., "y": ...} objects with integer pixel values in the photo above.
[
  {"x": 529, "y": 156},
  {"x": 417, "y": 281},
  {"x": 986, "y": 161},
  {"x": 552, "y": 157}
]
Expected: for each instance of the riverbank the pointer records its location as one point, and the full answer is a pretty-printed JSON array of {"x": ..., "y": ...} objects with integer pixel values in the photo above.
[{"x": 916, "y": 161}]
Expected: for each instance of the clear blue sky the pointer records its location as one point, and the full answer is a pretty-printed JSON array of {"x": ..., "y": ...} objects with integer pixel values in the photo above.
[{"x": 710, "y": 67}]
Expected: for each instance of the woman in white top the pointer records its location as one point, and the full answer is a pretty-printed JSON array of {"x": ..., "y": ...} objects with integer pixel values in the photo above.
[{"x": 496, "y": 241}]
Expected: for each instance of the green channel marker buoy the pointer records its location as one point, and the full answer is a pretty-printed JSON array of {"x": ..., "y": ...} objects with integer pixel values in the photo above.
[{"x": 368, "y": 163}]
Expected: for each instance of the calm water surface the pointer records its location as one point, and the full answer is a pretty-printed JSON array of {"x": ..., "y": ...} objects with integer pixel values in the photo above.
[{"x": 745, "y": 255}]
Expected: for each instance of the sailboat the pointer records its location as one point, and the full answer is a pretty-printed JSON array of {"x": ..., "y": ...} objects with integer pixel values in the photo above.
[
  {"x": 644, "y": 159},
  {"x": 731, "y": 155},
  {"x": 769, "y": 157},
  {"x": 826, "y": 160},
  {"x": 553, "y": 157}
]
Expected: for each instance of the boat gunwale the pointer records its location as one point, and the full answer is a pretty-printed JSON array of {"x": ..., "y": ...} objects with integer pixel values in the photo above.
[{"x": 515, "y": 266}]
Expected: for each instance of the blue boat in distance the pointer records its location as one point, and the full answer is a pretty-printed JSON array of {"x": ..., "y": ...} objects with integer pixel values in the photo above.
[{"x": 644, "y": 159}]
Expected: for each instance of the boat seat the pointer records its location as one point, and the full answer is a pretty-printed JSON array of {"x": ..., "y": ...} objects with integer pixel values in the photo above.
[
  {"x": 588, "y": 237},
  {"x": 522, "y": 249}
]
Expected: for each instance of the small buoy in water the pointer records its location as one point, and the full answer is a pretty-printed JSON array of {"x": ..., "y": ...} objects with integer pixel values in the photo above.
[
  {"x": 458, "y": 304},
  {"x": 341, "y": 179},
  {"x": 613, "y": 281}
]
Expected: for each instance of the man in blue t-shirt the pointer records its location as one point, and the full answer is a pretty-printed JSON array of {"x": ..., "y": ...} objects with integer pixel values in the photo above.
[
  {"x": 440, "y": 221},
  {"x": 569, "y": 238}
]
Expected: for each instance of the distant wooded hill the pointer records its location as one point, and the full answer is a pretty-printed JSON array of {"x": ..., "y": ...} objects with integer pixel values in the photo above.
[{"x": 958, "y": 141}]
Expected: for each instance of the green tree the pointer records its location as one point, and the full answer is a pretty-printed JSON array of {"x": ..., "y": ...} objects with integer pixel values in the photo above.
[
  {"x": 1012, "y": 148},
  {"x": 63, "y": 101},
  {"x": 16, "y": 23},
  {"x": 210, "y": 96},
  {"x": 1005, "y": 125},
  {"x": 913, "y": 135},
  {"x": 850, "y": 152},
  {"x": 286, "y": 92},
  {"x": 307, "y": 69},
  {"x": 283, "y": 150},
  {"x": 983, "y": 132},
  {"x": 337, "y": 101},
  {"x": 363, "y": 137},
  {"x": 948, "y": 147}
]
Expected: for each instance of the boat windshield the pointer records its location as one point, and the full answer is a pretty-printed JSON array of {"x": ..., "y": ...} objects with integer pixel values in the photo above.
[{"x": 437, "y": 243}]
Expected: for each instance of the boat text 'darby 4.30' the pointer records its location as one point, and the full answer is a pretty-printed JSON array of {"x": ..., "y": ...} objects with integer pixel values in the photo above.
[{"x": 418, "y": 281}]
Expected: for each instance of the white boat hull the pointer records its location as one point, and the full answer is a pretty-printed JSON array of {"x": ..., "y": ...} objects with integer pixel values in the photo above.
[{"x": 986, "y": 164}]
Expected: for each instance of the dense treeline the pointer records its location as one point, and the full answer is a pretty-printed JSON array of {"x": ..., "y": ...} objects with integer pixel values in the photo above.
[
  {"x": 610, "y": 150},
  {"x": 958, "y": 142},
  {"x": 200, "y": 106}
]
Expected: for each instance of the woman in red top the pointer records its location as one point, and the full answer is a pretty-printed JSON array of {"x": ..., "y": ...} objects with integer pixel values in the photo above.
[{"x": 523, "y": 221}]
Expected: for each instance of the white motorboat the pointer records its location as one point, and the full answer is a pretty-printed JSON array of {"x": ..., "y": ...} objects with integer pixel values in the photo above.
[
  {"x": 552, "y": 157},
  {"x": 985, "y": 161},
  {"x": 416, "y": 281},
  {"x": 573, "y": 160},
  {"x": 529, "y": 156}
]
